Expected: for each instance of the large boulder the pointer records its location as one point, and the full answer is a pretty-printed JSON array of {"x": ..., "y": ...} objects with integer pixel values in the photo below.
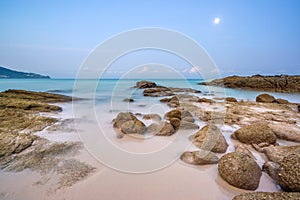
[
  {"x": 133, "y": 127},
  {"x": 161, "y": 129},
  {"x": 265, "y": 98},
  {"x": 255, "y": 134},
  {"x": 210, "y": 138},
  {"x": 230, "y": 99},
  {"x": 173, "y": 114},
  {"x": 268, "y": 196},
  {"x": 240, "y": 170},
  {"x": 282, "y": 101},
  {"x": 199, "y": 157},
  {"x": 286, "y": 131},
  {"x": 289, "y": 173},
  {"x": 145, "y": 84},
  {"x": 129, "y": 124}
]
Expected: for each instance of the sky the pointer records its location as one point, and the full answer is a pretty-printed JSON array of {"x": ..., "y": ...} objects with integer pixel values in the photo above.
[{"x": 54, "y": 37}]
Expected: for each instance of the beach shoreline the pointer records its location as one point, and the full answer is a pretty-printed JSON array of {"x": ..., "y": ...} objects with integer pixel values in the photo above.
[{"x": 177, "y": 180}]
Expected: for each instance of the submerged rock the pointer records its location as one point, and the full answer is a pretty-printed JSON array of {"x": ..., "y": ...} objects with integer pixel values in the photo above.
[
  {"x": 289, "y": 173},
  {"x": 265, "y": 98},
  {"x": 210, "y": 138},
  {"x": 240, "y": 170},
  {"x": 199, "y": 157},
  {"x": 255, "y": 133},
  {"x": 268, "y": 196}
]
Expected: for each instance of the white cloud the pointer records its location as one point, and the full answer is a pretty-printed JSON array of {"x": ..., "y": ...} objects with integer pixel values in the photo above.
[
  {"x": 144, "y": 70},
  {"x": 193, "y": 70}
]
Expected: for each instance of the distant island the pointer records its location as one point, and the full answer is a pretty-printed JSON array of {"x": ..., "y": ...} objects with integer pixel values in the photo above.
[
  {"x": 277, "y": 83},
  {"x": 8, "y": 73}
]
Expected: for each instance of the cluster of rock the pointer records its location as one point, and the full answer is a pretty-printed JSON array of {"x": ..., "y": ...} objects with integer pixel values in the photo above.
[
  {"x": 174, "y": 120},
  {"x": 261, "y": 124},
  {"x": 154, "y": 90},
  {"x": 282, "y": 83}
]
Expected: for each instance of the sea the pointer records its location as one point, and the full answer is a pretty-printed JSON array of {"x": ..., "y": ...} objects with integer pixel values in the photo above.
[{"x": 106, "y": 88}]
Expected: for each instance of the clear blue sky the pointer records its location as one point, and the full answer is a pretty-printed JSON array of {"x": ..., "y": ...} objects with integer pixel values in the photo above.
[{"x": 54, "y": 37}]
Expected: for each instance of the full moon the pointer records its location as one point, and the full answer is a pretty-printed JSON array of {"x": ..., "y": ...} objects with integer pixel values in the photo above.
[{"x": 217, "y": 20}]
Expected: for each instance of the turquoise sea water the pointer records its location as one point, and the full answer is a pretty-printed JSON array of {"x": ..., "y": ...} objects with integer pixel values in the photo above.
[{"x": 122, "y": 88}]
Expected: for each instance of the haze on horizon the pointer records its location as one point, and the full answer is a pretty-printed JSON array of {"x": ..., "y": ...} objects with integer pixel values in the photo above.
[{"x": 55, "y": 37}]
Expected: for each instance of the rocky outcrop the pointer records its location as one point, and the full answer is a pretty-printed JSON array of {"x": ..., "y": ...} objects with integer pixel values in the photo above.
[
  {"x": 289, "y": 173},
  {"x": 129, "y": 124},
  {"x": 282, "y": 83},
  {"x": 199, "y": 157},
  {"x": 265, "y": 98},
  {"x": 145, "y": 84},
  {"x": 161, "y": 91},
  {"x": 268, "y": 196},
  {"x": 240, "y": 170},
  {"x": 210, "y": 138},
  {"x": 255, "y": 134},
  {"x": 286, "y": 131}
]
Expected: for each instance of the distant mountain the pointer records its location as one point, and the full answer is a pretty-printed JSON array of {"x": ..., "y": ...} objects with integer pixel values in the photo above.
[{"x": 8, "y": 73}]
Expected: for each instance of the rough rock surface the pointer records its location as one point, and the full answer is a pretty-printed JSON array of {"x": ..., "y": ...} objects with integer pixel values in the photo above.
[
  {"x": 272, "y": 169},
  {"x": 20, "y": 149},
  {"x": 161, "y": 129},
  {"x": 199, "y": 157},
  {"x": 230, "y": 99},
  {"x": 129, "y": 124},
  {"x": 268, "y": 196},
  {"x": 265, "y": 98},
  {"x": 286, "y": 131},
  {"x": 239, "y": 170},
  {"x": 282, "y": 101},
  {"x": 155, "y": 117},
  {"x": 244, "y": 149},
  {"x": 289, "y": 173},
  {"x": 282, "y": 83},
  {"x": 255, "y": 133},
  {"x": 277, "y": 153},
  {"x": 133, "y": 127},
  {"x": 210, "y": 138}
]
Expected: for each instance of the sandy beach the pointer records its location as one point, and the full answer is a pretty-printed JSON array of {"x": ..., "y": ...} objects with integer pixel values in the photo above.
[{"x": 166, "y": 176}]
